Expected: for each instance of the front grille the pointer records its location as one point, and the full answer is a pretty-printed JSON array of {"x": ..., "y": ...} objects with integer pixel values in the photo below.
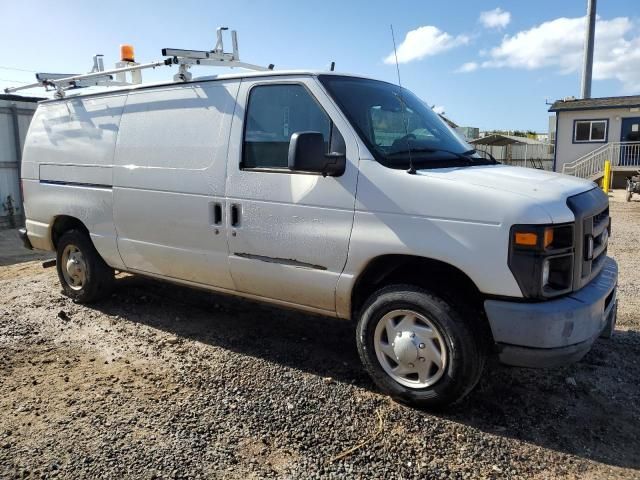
[
  {"x": 591, "y": 210},
  {"x": 601, "y": 217},
  {"x": 596, "y": 227}
]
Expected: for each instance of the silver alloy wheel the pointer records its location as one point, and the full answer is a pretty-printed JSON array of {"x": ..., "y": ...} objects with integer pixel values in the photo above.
[
  {"x": 74, "y": 267},
  {"x": 410, "y": 348}
]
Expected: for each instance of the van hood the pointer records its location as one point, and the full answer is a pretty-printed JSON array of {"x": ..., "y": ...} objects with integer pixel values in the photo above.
[{"x": 530, "y": 182}]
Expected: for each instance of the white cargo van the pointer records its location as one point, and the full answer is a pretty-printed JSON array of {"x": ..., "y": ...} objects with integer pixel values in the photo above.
[{"x": 329, "y": 193}]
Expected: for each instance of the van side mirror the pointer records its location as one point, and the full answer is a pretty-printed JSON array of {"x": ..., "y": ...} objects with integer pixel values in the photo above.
[{"x": 307, "y": 154}]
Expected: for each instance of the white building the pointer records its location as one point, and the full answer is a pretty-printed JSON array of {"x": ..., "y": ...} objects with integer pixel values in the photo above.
[
  {"x": 468, "y": 133},
  {"x": 590, "y": 131},
  {"x": 15, "y": 116}
]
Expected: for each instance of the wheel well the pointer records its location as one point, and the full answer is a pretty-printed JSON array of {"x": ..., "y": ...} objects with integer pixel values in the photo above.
[
  {"x": 439, "y": 277},
  {"x": 64, "y": 223}
]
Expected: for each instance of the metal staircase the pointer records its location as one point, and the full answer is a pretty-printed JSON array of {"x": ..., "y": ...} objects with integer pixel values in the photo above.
[{"x": 622, "y": 155}]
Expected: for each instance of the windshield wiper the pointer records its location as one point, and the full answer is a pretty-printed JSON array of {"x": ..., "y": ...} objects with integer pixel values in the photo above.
[{"x": 464, "y": 156}]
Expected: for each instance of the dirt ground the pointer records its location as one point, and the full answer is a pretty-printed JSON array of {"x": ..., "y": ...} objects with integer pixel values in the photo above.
[{"x": 162, "y": 381}]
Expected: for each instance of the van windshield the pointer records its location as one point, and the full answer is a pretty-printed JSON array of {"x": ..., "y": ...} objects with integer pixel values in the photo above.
[{"x": 396, "y": 125}]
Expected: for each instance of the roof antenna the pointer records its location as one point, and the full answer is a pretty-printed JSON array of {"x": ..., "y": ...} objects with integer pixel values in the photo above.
[{"x": 412, "y": 170}]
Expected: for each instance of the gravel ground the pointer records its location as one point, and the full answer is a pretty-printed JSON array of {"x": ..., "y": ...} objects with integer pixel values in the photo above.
[{"x": 166, "y": 382}]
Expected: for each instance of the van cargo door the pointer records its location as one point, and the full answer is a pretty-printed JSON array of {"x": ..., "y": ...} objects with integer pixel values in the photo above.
[{"x": 169, "y": 180}]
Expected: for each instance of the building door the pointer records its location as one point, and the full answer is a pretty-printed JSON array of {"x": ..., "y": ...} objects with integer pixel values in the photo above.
[{"x": 630, "y": 132}]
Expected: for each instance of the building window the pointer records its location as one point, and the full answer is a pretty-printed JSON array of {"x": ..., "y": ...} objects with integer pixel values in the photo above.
[{"x": 588, "y": 131}]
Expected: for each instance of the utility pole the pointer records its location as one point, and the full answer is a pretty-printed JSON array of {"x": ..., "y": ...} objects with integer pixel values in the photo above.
[{"x": 587, "y": 67}]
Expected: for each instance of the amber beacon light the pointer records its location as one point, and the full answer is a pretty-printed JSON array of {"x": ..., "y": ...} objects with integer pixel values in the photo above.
[{"x": 126, "y": 53}]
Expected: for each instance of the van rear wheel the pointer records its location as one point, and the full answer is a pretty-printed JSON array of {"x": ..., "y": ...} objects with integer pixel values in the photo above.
[
  {"x": 418, "y": 348},
  {"x": 83, "y": 274}
]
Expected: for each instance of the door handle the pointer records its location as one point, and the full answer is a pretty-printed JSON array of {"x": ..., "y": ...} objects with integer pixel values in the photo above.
[
  {"x": 235, "y": 215},
  {"x": 217, "y": 213}
]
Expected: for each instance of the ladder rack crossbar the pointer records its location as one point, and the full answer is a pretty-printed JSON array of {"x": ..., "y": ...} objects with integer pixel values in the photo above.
[
  {"x": 59, "y": 83},
  {"x": 114, "y": 71},
  {"x": 196, "y": 54},
  {"x": 216, "y": 62},
  {"x": 53, "y": 76}
]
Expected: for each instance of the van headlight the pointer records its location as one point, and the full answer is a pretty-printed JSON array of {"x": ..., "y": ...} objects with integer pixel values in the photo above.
[{"x": 541, "y": 259}]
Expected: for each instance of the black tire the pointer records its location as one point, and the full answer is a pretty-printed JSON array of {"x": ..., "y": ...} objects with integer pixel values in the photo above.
[
  {"x": 99, "y": 276},
  {"x": 466, "y": 354}
]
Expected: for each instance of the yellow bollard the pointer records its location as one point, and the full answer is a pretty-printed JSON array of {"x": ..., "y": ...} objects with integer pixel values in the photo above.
[{"x": 606, "y": 181}]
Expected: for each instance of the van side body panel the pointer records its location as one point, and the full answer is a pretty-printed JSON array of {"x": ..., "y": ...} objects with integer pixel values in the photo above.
[
  {"x": 169, "y": 178},
  {"x": 67, "y": 169},
  {"x": 420, "y": 215}
]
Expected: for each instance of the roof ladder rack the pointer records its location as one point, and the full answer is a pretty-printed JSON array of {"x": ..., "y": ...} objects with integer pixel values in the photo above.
[
  {"x": 185, "y": 59},
  {"x": 212, "y": 58}
]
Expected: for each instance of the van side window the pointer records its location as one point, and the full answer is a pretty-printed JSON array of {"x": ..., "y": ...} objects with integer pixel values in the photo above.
[{"x": 274, "y": 113}]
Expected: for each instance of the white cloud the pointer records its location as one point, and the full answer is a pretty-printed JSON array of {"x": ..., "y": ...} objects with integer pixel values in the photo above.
[
  {"x": 439, "y": 109},
  {"x": 496, "y": 18},
  {"x": 559, "y": 44},
  {"x": 468, "y": 67},
  {"x": 424, "y": 42}
]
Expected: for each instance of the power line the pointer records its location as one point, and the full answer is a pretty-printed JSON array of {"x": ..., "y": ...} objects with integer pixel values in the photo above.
[
  {"x": 12, "y": 81},
  {"x": 17, "y": 69}
]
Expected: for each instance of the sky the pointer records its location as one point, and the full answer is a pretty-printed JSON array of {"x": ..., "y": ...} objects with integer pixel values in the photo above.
[{"x": 486, "y": 64}]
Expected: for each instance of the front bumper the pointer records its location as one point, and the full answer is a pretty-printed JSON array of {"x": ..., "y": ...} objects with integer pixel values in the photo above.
[{"x": 555, "y": 332}]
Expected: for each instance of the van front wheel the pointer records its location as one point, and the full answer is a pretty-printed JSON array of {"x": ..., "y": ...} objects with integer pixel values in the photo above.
[
  {"x": 417, "y": 348},
  {"x": 83, "y": 274}
]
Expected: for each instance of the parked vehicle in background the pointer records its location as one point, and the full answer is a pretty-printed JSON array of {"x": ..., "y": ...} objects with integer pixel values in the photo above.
[
  {"x": 633, "y": 185},
  {"x": 334, "y": 194}
]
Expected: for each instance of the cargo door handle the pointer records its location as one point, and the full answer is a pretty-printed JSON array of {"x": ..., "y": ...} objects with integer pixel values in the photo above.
[
  {"x": 217, "y": 213},
  {"x": 235, "y": 215}
]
